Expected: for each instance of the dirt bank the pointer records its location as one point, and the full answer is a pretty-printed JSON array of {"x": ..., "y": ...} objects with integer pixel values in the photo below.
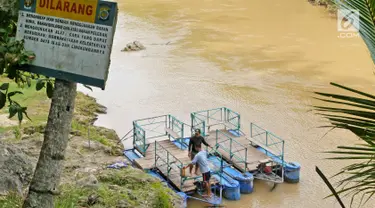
[{"x": 86, "y": 180}]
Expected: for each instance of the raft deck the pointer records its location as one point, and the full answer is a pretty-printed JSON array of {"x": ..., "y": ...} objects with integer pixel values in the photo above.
[
  {"x": 148, "y": 162},
  {"x": 252, "y": 155}
]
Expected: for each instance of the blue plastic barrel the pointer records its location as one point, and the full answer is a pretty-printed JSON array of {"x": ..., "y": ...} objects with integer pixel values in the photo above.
[
  {"x": 231, "y": 187},
  {"x": 292, "y": 172},
  {"x": 246, "y": 183},
  {"x": 245, "y": 180}
]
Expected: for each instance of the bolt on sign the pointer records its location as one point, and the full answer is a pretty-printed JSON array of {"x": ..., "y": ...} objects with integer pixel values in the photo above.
[{"x": 71, "y": 39}]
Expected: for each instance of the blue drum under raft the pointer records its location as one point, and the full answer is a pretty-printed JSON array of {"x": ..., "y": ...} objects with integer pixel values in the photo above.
[
  {"x": 245, "y": 180},
  {"x": 291, "y": 169},
  {"x": 231, "y": 187},
  {"x": 292, "y": 172}
]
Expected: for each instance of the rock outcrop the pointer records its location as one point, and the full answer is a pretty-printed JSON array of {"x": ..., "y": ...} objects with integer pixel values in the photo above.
[
  {"x": 86, "y": 180},
  {"x": 134, "y": 46},
  {"x": 16, "y": 169}
]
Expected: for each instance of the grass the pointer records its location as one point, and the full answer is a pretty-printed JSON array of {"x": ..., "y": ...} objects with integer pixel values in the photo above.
[
  {"x": 12, "y": 200},
  {"x": 134, "y": 187},
  {"x": 127, "y": 185},
  {"x": 162, "y": 196},
  {"x": 37, "y": 102},
  {"x": 94, "y": 134},
  {"x": 38, "y": 105}
]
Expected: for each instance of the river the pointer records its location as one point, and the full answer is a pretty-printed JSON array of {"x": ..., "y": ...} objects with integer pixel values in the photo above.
[{"x": 261, "y": 58}]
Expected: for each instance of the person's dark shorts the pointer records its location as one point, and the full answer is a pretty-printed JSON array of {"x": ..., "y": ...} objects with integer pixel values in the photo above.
[
  {"x": 206, "y": 176},
  {"x": 193, "y": 155}
]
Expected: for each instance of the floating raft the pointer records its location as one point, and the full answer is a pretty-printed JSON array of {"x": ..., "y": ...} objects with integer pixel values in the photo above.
[
  {"x": 160, "y": 143},
  {"x": 148, "y": 162},
  {"x": 245, "y": 180}
]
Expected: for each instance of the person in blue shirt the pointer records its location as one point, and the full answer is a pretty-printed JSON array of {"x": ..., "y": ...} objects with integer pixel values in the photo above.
[
  {"x": 201, "y": 159},
  {"x": 195, "y": 140}
]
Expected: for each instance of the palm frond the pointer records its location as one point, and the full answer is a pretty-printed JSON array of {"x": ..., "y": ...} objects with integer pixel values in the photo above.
[
  {"x": 357, "y": 114},
  {"x": 360, "y": 121},
  {"x": 334, "y": 193}
]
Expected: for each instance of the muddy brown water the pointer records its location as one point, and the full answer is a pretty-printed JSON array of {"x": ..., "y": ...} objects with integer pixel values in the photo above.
[{"x": 261, "y": 58}]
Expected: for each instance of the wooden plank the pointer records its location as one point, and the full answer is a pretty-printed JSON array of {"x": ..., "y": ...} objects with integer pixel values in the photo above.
[
  {"x": 148, "y": 162},
  {"x": 253, "y": 155},
  {"x": 172, "y": 133}
]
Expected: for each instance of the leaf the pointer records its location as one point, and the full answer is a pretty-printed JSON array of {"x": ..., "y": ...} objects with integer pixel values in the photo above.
[
  {"x": 14, "y": 93},
  {"x": 28, "y": 80},
  {"x": 12, "y": 110},
  {"x": 13, "y": 49},
  {"x": 29, "y": 53},
  {"x": 2, "y": 30},
  {"x": 24, "y": 111},
  {"x": 3, "y": 100},
  {"x": 11, "y": 40},
  {"x": 49, "y": 89},
  {"x": 325, "y": 180},
  {"x": 357, "y": 115},
  {"x": 40, "y": 84},
  {"x": 20, "y": 116},
  {"x": 4, "y": 86},
  {"x": 3, "y": 49},
  {"x": 88, "y": 87}
]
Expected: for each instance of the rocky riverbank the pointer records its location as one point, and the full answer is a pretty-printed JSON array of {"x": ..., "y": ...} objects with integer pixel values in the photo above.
[
  {"x": 86, "y": 181},
  {"x": 329, "y": 4}
]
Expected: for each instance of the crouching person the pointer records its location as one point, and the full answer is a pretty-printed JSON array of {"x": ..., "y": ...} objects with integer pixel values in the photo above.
[{"x": 201, "y": 159}]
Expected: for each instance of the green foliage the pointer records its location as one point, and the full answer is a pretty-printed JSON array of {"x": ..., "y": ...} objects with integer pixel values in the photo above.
[
  {"x": 69, "y": 197},
  {"x": 132, "y": 186},
  {"x": 17, "y": 133},
  {"x": 162, "y": 197},
  {"x": 93, "y": 134},
  {"x": 7, "y": 12},
  {"x": 357, "y": 114},
  {"x": 14, "y": 60},
  {"x": 126, "y": 178},
  {"x": 12, "y": 200}
]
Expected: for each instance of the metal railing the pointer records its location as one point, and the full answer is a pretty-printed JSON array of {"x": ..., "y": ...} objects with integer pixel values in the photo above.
[
  {"x": 178, "y": 127},
  {"x": 139, "y": 138},
  {"x": 270, "y": 142},
  {"x": 171, "y": 167},
  {"x": 233, "y": 118},
  {"x": 236, "y": 151},
  {"x": 146, "y": 129},
  {"x": 168, "y": 164},
  {"x": 198, "y": 123},
  {"x": 223, "y": 117},
  {"x": 127, "y": 136}
]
